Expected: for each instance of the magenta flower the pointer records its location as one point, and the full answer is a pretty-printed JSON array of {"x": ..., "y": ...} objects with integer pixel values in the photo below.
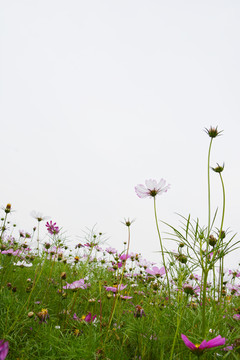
[
  {"x": 79, "y": 284},
  {"x": 89, "y": 318},
  {"x": 236, "y": 317},
  {"x": 156, "y": 271},
  {"x": 3, "y": 349},
  {"x": 198, "y": 349},
  {"x": 52, "y": 228},
  {"x": 151, "y": 189}
]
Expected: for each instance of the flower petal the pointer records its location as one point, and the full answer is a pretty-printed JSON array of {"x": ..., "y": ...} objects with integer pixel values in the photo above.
[
  {"x": 217, "y": 341},
  {"x": 188, "y": 343}
]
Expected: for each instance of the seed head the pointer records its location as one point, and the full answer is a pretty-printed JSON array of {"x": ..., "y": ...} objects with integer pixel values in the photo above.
[
  {"x": 213, "y": 132},
  {"x": 218, "y": 168}
]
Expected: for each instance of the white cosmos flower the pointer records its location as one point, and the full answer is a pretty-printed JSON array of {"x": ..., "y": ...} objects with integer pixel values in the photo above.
[
  {"x": 23, "y": 264},
  {"x": 151, "y": 188}
]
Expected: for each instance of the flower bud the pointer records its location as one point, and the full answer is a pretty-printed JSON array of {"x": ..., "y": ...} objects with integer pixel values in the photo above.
[
  {"x": 8, "y": 208},
  {"x": 212, "y": 240},
  {"x": 213, "y": 132},
  {"x": 63, "y": 275}
]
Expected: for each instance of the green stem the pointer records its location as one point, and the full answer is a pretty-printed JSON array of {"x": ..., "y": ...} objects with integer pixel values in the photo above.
[
  {"x": 3, "y": 228},
  {"x": 118, "y": 287},
  {"x": 209, "y": 194},
  {"x": 204, "y": 297},
  {"x": 177, "y": 330},
  {"x": 164, "y": 263}
]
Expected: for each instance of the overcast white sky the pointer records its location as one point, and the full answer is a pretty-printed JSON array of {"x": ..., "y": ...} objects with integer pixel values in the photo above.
[{"x": 97, "y": 96}]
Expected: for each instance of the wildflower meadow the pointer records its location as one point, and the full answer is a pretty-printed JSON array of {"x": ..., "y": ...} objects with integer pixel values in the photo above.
[{"x": 87, "y": 301}]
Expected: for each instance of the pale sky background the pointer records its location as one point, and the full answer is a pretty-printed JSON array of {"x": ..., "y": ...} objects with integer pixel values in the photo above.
[{"x": 97, "y": 96}]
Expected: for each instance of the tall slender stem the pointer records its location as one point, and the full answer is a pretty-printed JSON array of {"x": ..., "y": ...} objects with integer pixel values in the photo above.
[
  {"x": 220, "y": 234},
  {"x": 209, "y": 193},
  {"x": 204, "y": 297},
  {"x": 118, "y": 286},
  {"x": 206, "y": 267},
  {"x": 164, "y": 263}
]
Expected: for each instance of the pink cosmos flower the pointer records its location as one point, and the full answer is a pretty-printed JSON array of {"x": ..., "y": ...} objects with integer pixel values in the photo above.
[
  {"x": 125, "y": 297},
  {"x": 88, "y": 318},
  {"x": 12, "y": 252},
  {"x": 79, "y": 284},
  {"x": 52, "y": 228},
  {"x": 4, "y": 346},
  {"x": 198, "y": 349},
  {"x": 115, "y": 288},
  {"x": 124, "y": 257},
  {"x": 111, "y": 250},
  {"x": 151, "y": 189},
  {"x": 156, "y": 271},
  {"x": 234, "y": 273},
  {"x": 236, "y": 317}
]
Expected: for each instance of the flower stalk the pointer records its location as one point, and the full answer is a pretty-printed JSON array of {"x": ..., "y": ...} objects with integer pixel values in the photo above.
[{"x": 162, "y": 251}]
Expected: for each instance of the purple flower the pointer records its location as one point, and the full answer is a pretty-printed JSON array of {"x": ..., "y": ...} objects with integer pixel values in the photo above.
[
  {"x": 89, "y": 318},
  {"x": 124, "y": 257},
  {"x": 3, "y": 349},
  {"x": 111, "y": 250},
  {"x": 43, "y": 315},
  {"x": 151, "y": 189},
  {"x": 125, "y": 297},
  {"x": 236, "y": 317},
  {"x": 198, "y": 349},
  {"x": 115, "y": 288},
  {"x": 156, "y": 271},
  {"x": 79, "y": 284},
  {"x": 139, "y": 312},
  {"x": 52, "y": 228}
]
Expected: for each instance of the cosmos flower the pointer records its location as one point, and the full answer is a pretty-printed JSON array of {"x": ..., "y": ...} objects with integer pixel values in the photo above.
[
  {"x": 236, "y": 317},
  {"x": 12, "y": 252},
  {"x": 125, "y": 297},
  {"x": 52, "y": 228},
  {"x": 115, "y": 288},
  {"x": 79, "y": 284},
  {"x": 124, "y": 257},
  {"x": 155, "y": 271},
  {"x": 111, "y": 250},
  {"x": 39, "y": 216},
  {"x": 139, "y": 312},
  {"x": 190, "y": 290},
  {"x": 23, "y": 264},
  {"x": 3, "y": 349},
  {"x": 198, "y": 349},
  {"x": 43, "y": 315},
  {"x": 151, "y": 189},
  {"x": 88, "y": 318}
]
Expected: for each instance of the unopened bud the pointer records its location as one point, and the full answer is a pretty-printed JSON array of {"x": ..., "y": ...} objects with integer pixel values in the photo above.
[
  {"x": 63, "y": 275},
  {"x": 8, "y": 208}
]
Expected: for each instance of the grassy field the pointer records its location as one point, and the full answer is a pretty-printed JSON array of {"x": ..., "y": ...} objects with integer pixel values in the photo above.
[{"x": 95, "y": 302}]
